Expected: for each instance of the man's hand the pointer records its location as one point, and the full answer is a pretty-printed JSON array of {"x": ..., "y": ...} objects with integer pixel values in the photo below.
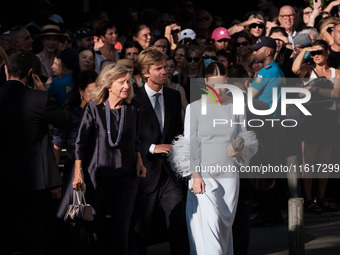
[
  {"x": 38, "y": 85},
  {"x": 163, "y": 148}
]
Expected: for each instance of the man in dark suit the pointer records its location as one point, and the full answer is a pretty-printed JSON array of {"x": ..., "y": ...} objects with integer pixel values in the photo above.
[
  {"x": 27, "y": 162},
  {"x": 160, "y": 123}
]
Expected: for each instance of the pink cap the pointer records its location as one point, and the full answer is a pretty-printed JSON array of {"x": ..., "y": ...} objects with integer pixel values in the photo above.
[{"x": 220, "y": 33}]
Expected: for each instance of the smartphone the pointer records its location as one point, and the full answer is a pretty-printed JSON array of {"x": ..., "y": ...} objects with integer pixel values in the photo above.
[
  {"x": 316, "y": 4},
  {"x": 30, "y": 80}
]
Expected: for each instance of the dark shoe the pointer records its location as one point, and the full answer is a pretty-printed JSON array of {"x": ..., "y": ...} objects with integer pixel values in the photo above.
[
  {"x": 326, "y": 205},
  {"x": 312, "y": 207}
]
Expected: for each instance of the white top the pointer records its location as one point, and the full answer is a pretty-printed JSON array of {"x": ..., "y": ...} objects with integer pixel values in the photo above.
[{"x": 332, "y": 79}]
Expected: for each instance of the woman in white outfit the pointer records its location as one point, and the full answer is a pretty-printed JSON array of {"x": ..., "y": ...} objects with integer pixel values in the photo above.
[{"x": 204, "y": 154}]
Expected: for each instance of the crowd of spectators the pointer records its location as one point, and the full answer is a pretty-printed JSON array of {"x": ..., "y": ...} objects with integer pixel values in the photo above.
[{"x": 69, "y": 57}]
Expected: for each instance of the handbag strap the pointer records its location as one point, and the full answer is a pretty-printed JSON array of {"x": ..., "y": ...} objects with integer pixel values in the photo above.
[
  {"x": 315, "y": 72},
  {"x": 80, "y": 199}
]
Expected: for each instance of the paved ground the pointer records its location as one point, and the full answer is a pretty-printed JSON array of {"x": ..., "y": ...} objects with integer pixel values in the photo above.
[{"x": 322, "y": 237}]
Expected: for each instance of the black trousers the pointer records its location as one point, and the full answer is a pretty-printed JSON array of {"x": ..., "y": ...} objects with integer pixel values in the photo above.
[
  {"x": 169, "y": 196},
  {"x": 114, "y": 204}
]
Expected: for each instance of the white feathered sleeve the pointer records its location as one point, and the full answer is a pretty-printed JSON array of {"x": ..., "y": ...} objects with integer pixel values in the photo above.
[
  {"x": 186, "y": 149},
  {"x": 251, "y": 145}
]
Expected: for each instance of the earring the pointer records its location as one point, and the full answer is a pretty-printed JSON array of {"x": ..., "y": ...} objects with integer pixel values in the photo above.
[{"x": 81, "y": 97}]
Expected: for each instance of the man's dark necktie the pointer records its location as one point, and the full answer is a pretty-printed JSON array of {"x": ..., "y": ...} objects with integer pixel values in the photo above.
[{"x": 158, "y": 110}]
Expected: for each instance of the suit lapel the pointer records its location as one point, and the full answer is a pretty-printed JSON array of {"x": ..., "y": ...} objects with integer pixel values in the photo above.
[
  {"x": 149, "y": 109},
  {"x": 167, "y": 111}
]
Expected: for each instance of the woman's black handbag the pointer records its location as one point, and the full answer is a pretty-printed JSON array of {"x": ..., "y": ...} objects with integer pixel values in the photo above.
[
  {"x": 79, "y": 210},
  {"x": 318, "y": 101}
]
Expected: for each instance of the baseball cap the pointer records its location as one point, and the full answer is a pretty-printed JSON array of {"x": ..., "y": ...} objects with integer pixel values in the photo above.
[
  {"x": 56, "y": 19},
  {"x": 81, "y": 33},
  {"x": 303, "y": 40},
  {"x": 220, "y": 33},
  {"x": 187, "y": 33},
  {"x": 263, "y": 41}
]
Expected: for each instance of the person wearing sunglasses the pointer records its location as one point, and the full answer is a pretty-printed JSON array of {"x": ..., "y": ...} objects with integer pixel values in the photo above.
[
  {"x": 203, "y": 23},
  {"x": 241, "y": 42},
  {"x": 319, "y": 129},
  {"x": 194, "y": 67},
  {"x": 220, "y": 38},
  {"x": 255, "y": 25},
  {"x": 209, "y": 55}
]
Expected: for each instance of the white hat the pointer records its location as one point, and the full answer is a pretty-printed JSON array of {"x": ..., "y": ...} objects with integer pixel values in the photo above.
[{"x": 187, "y": 33}]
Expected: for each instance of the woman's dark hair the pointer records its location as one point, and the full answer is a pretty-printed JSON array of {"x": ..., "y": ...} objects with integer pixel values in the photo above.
[
  {"x": 159, "y": 37},
  {"x": 245, "y": 34},
  {"x": 322, "y": 43},
  {"x": 237, "y": 71},
  {"x": 278, "y": 29},
  {"x": 101, "y": 27},
  {"x": 130, "y": 44},
  {"x": 325, "y": 46},
  {"x": 215, "y": 69},
  {"x": 228, "y": 55},
  {"x": 173, "y": 59},
  {"x": 81, "y": 82}
]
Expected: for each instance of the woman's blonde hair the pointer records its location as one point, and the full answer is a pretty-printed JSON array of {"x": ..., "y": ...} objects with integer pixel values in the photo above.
[{"x": 106, "y": 77}]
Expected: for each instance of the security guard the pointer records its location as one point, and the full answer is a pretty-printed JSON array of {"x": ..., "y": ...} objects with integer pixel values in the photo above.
[{"x": 270, "y": 76}]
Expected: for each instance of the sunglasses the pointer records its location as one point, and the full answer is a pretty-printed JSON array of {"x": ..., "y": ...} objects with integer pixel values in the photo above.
[
  {"x": 209, "y": 57},
  {"x": 317, "y": 52},
  {"x": 223, "y": 40},
  {"x": 245, "y": 43},
  {"x": 195, "y": 59},
  {"x": 254, "y": 25}
]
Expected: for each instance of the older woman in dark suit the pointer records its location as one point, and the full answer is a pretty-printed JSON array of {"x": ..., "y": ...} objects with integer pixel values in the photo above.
[{"x": 106, "y": 152}]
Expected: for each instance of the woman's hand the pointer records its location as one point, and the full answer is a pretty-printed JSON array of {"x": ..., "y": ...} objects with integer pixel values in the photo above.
[
  {"x": 198, "y": 186},
  {"x": 313, "y": 48},
  {"x": 78, "y": 181},
  {"x": 172, "y": 32},
  {"x": 233, "y": 153}
]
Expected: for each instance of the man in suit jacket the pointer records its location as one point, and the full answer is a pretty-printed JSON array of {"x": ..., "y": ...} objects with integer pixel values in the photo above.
[
  {"x": 27, "y": 161},
  {"x": 160, "y": 123}
]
